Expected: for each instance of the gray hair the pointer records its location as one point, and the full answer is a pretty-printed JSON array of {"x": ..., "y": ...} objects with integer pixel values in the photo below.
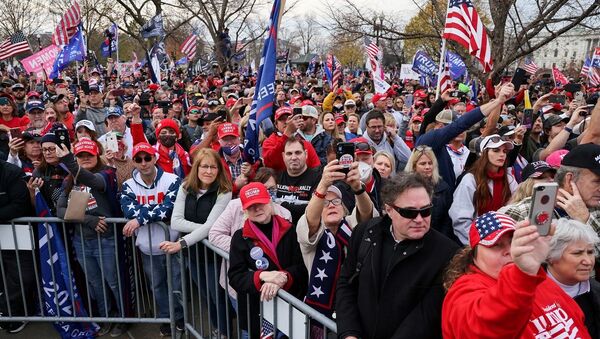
[
  {"x": 562, "y": 171},
  {"x": 401, "y": 182},
  {"x": 568, "y": 231}
]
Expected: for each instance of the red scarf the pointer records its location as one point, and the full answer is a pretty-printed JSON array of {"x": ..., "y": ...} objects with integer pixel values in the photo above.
[
  {"x": 497, "y": 188},
  {"x": 269, "y": 246}
]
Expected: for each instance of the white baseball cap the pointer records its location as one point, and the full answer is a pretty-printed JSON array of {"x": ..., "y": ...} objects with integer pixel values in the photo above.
[{"x": 87, "y": 124}]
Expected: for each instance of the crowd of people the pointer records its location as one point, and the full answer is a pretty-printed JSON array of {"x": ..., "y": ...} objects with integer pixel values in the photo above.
[{"x": 424, "y": 234}]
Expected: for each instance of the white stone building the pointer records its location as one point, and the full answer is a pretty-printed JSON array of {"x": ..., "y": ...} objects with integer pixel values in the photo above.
[{"x": 568, "y": 50}]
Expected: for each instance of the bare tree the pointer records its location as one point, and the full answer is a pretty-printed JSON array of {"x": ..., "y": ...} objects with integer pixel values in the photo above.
[
  {"x": 307, "y": 31},
  {"x": 24, "y": 16}
]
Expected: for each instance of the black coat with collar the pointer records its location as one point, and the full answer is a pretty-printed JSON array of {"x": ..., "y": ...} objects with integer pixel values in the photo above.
[
  {"x": 407, "y": 303},
  {"x": 590, "y": 305}
]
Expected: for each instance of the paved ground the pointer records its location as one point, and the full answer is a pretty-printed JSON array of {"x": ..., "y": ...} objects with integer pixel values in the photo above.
[{"x": 47, "y": 331}]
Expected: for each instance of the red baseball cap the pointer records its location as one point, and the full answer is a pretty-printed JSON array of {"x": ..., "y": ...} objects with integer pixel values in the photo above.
[
  {"x": 227, "y": 129},
  {"x": 254, "y": 193},
  {"x": 417, "y": 118},
  {"x": 143, "y": 147},
  {"x": 230, "y": 102},
  {"x": 362, "y": 149},
  {"x": 377, "y": 97},
  {"x": 487, "y": 229},
  {"x": 420, "y": 94},
  {"x": 153, "y": 87},
  {"x": 86, "y": 145},
  {"x": 281, "y": 111}
]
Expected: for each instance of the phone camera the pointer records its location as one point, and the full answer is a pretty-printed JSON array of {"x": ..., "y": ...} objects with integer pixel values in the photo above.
[{"x": 544, "y": 200}]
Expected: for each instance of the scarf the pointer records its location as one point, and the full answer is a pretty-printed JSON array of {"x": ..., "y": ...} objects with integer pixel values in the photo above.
[
  {"x": 268, "y": 246},
  {"x": 176, "y": 161},
  {"x": 497, "y": 187},
  {"x": 326, "y": 267}
]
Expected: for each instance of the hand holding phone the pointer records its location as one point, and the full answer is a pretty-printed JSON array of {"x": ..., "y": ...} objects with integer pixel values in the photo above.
[
  {"x": 15, "y": 133},
  {"x": 345, "y": 154},
  {"x": 557, "y": 99},
  {"x": 542, "y": 206},
  {"x": 519, "y": 78},
  {"x": 62, "y": 138}
]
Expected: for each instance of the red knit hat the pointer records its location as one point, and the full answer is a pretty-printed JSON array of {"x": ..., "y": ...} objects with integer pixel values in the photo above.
[{"x": 167, "y": 123}]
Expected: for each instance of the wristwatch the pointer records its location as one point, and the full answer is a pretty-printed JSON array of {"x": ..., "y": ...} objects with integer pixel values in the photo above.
[
  {"x": 362, "y": 189},
  {"x": 183, "y": 243}
]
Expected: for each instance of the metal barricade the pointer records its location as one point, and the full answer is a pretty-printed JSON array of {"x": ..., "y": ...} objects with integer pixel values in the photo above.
[
  {"x": 118, "y": 291},
  {"x": 288, "y": 315}
]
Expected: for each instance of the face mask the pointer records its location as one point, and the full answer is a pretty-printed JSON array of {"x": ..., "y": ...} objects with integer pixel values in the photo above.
[
  {"x": 365, "y": 170},
  {"x": 229, "y": 151},
  {"x": 167, "y": 140}
]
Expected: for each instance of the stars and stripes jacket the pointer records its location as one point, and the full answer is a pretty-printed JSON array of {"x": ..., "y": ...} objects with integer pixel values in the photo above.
[{"x": 150, "y": 205}]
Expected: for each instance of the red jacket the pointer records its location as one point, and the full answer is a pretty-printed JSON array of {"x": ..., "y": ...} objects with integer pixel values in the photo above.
[
  {"x": 163, "y": 160},
  {"x": 272, "y": 152},
  {"x": 235, "y": 190},
  {"x": 516, "y": 305}
]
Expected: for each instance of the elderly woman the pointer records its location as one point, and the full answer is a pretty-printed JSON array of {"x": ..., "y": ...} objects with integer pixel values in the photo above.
[
  {"x": 327, "y": 226},
  {"x": 423, "y": 162},
  {"x": 571, "y": 263},
  {"x": 264, "y": 257},
  {"x": 497, "y": 287}
]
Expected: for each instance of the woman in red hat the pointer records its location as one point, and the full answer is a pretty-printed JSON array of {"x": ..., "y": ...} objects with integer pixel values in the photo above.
[{"x": 265, "y": 257}]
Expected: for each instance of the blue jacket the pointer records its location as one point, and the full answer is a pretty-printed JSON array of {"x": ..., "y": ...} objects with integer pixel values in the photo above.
[{"x": 437, "y": 139}]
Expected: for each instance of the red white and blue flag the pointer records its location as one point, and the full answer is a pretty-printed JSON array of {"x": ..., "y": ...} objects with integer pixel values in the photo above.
[
  {"x": 585, "y": 69},
  {"x": 559, "y": 79},
  {"x": 189, "y": 46},
  {"x": 67, "y": 27},
  {"x": 464, "y": 26},
  {"x": 529, "y": 66},
  {"x": 446, "y": 78},
  {"x": 264, "y": 94}
]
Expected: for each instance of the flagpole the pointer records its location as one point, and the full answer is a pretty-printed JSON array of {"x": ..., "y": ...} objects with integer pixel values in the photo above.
[
  {"x": 117, "y": 52},
  {"x": 442, "y": 57}
]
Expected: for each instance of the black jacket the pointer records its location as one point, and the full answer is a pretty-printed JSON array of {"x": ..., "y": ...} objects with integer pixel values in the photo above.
[
  {"x": 14, "y": 195},
  {"x": 590, "y": 305},
  {"x": 407, "y": 302},
  {"x": 442, "y": 200},
  {"x": 243, "y": 273}
]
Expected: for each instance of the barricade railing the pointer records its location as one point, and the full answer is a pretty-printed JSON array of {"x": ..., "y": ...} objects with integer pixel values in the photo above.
[
  {"x": 106, "y": 275},
  {"x": 202, "y": 293}
]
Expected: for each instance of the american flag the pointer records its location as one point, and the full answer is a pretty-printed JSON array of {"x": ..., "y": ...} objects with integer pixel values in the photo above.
[
  {"x": 529, "y": 66},
  {"x": 594, "y": 76},
  {"x": 67, "y": 27},
  {"x": 189, "y": 46},
  {"x": 464, "y": 26},
  {"x": 14, "y": 45},
  {"x": 446, "y": 79},
  {"x": 372, "y": 52},
  {"x": 491, "y": 222},
  {"x": 585, "y": 69},
  {"x": 337, "y": 73},
  {"x": 267, "y": 330},
  {"x": 559, "y": 79}
]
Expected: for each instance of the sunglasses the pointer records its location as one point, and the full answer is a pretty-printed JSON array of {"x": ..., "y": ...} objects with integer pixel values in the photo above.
[
  {"x": 146, "y": 158},
  {"x": 495, "y": 139},
  {"x": 412, "y": 213},
  {"x": 362, "y": 146},
  {"x": 213, "y": 103},
  {"x": 194, "y": 111},
  {"x": 422, "y": 148},
  {"x": 4, "y": 101}
]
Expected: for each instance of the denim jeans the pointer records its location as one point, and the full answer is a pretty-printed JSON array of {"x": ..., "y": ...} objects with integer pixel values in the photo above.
[
  {"x": 200, "y": 272},
  {"x": 155, "y": 268},
  {"x": 95, "y": 259}
]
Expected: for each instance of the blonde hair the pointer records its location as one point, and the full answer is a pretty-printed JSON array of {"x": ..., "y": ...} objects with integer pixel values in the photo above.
[
  {"x": 417, "y": 153},
  {"x": 388, "y": 156},
  {"x": 389, "y": 119},
  {"x": 192, "y": 183},
  {"x": 524, "y": 190}
]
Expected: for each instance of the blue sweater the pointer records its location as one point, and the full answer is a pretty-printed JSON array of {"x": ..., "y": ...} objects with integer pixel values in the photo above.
[{"x": 437, "y": 139}]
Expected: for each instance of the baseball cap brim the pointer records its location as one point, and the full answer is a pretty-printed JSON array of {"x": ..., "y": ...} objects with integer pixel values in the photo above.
[
  {"x": 258, "y": 200},
  {"x": 493, "y": 238}
]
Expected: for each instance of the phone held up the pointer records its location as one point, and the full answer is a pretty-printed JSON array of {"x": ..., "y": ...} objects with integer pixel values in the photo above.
[
  {"x": 62, "y": 137},
  {"x": 344, "y": 152},
  {"x": 542, "y": 206}
]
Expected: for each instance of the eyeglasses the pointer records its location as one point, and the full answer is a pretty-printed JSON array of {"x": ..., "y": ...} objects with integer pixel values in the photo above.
[
  {"x": 146, "y": 158},
  {"x": 334, "y": 202},
  {"x": 194, "y": 111},
  {"x": 412, "y": 213},
  {"x": 422, "y": 148},
  {"x": 209, "y": 167},
  {"x": 362, "y": 146},
  {"x": 49, "y": 150}
]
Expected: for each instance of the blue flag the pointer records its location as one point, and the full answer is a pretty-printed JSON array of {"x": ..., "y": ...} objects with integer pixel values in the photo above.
[
  {"x": 239, "y": 56},
  {"x": 106, "y": 52},
  {"x": 456, "y": 64},
  {"x": 181, "y": 61},
  {"x": 58, "y": 300},
  {"x": 154, "y": 27},
  {"x": 74, "y": 51},
  {"x": 424, "y": 65},
  {"x": 264, "y": 95}
]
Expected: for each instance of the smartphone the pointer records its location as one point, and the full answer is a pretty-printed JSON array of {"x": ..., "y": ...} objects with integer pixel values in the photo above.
[
  {"x": 572, "y": 88},
  {"x": 542, "y": 206},
  {"x": 111, "y": 142},
  {"x": 85, "y": 87},
  {"x": 528, "y": 118},
  {"x": 519, "y": 78},
  {"x": 15, "y": 132},
  {"x": 118, "y": 92},
  {"x": 557, "y": 99},
  {"x": 578, "y": 97},
  {"x": 62, "y": 138},
  {"x": 345, "y": 154},
  {"x": 297, "y": 111},
  {"x": 222, "y": 113},
  {"x": 145, "y": 114}
]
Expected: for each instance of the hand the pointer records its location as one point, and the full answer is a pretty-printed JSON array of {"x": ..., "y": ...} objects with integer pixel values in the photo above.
[
  {"x": 446, "y": 96},
  {"x": 331, "y": 173},
  {"x": 212, "y": 128},
  {"x": 391, "y": 131},
  {"x": 520, "y": 134},
  {"x": 241, "y": 181},
  {"x": 268, "y": 291},
  {"x": 170, "y": 247},
  {"x": 62, "y": 151},
  {"x": 506, "y": 92},
  {"x": 15, "y": 145},
  {"x": 34, "y": 183},
  {"x": 573, "y": 204},
  {"x": 353, "y": 177},
  {"x": 5, "y": 128},
  {"x": 292, "y": 125},
  {"x": 110, "y": 155},
  {"x": 101, "y": 227},
  {"x": 528, "y": 248},
  {"x": 36, "y": 163},
  {"x": 130, "y": 227},
  {"x": 541, "y": 101},
  {"x": 135, "y": 110},
  {"x": 576, "y": 117},
  {"x": 275, "y": 277},
  {"x": 246, "y": 169},
  {"x": 572, "y": 107}
]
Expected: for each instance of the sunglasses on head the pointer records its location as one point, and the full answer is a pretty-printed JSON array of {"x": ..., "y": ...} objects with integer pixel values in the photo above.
[
  {"x": 4, "y": 101},
  {"x": 422, "y": 148},
  {"x": 362, "y": 146},
  {"x": 146, "y": 158},
  {"x": 412, "y": 213},
  {"x": 494, "y": 140}
]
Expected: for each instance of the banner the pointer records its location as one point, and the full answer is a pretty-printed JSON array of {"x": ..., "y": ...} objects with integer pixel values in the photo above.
[
  {"x": 40, "y": 61},
  {"x": 154, "y": 27},
  {"x": 424, "y": 65},
  {"x": 406, "y": 72},
  {"x": 114, "y": 42},
  {"x": 74, "y": 51},
  {"x": 58, "y": 300},
  {"x": 456, "y": 65},
  {"x": 264, "y": 95},
  {"x": 126, "y": 68}
]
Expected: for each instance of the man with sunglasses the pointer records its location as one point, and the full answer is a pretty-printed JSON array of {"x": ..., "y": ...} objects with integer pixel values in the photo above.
[
  {"x": 192, "y": 131},
  {"x": 19, "y": 91},
  {"x": 394, "y": 268}
]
